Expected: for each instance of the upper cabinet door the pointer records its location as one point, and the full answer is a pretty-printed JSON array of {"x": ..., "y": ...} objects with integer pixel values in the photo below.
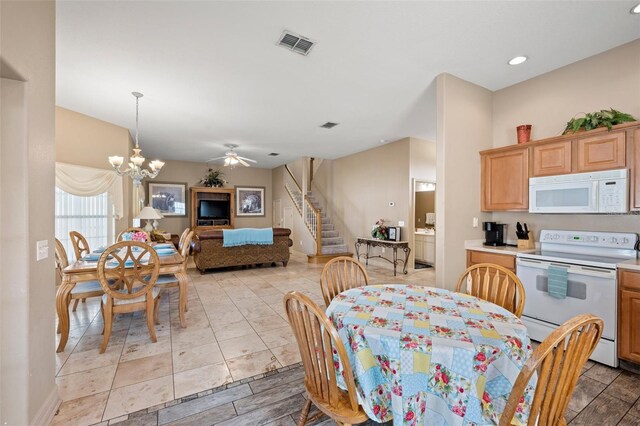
[
  {"x": 605, "y": 151},
  {"x": 635, "y": 172},
  {"x": 505, "y": 180},
  {"x": 551, "y": 158}
]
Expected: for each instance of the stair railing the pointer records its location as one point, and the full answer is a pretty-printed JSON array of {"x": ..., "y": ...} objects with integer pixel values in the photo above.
[
  {"x": 313, "y": 220},
  {"x": 311, "y": 215}
]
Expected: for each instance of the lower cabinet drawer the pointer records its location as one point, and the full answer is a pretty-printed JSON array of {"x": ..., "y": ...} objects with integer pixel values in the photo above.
[{"x": 506, "y": 260}]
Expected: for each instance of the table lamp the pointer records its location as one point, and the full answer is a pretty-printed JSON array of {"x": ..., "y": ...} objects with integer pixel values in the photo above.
[{"x": 149, "y": 213}]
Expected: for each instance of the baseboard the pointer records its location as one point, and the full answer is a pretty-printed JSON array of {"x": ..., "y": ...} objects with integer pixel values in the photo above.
[
  {"x": 45, "y": 414},
  {"x": 324, "y": 258}
]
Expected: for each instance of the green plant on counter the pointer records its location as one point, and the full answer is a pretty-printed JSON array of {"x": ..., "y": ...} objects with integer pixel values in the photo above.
[
  {"x": 213, "y": 179},
  {"x": 593, "y": 120}
]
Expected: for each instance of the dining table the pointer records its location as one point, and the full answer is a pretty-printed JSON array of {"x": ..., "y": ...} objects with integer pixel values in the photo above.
[
  {"x": 430, "y": 356},
  {"x": 87, "y": 270}
]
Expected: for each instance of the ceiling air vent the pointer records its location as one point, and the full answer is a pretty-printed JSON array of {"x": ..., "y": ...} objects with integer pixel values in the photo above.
[
  {"x": 296, "y": 43},
  {"x": 329, "y": 125},
  {"x": 274, "y": 154}
]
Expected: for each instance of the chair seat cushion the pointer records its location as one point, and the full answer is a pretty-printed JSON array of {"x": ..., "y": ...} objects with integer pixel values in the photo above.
[
  {"x": 86, "y": 287},
  {"x": 154, "y": 293},
  {"x": 166, "y": 279}
]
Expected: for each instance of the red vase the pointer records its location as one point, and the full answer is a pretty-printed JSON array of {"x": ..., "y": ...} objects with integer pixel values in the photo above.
[{"x": 524, "y": 133}]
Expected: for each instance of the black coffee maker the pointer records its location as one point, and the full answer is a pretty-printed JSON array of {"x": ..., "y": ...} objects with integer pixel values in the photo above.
[{"x": 493, "y": 234}]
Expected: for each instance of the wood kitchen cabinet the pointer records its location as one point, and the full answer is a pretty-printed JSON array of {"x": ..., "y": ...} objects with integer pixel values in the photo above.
[
  {"x": 634, "y": 178},
  {"x": 506, "y": 260},
  {"x": 425, "y": 248},
  {"x": 551, "y": 158},
  {"x": 504, "y": 179},
  {"x": 605, "y": 151},
  {"x": 629, "y": 315}
]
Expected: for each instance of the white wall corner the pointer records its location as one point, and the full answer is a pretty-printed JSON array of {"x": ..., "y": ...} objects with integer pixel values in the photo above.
[{"x": 48, "y": 410}]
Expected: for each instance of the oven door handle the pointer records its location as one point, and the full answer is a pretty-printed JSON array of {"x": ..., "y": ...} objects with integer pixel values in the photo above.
[{"x": 572, "y": 269}]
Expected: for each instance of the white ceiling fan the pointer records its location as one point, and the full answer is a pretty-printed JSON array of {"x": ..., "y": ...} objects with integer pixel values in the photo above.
[{"x": 231, "y": 158}]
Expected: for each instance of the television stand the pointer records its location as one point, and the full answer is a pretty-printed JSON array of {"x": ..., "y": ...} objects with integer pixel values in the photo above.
[{"x": 215, "y": 194}]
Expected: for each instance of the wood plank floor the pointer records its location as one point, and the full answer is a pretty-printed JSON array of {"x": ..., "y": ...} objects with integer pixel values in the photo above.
[{"x": 603, "y": 396}]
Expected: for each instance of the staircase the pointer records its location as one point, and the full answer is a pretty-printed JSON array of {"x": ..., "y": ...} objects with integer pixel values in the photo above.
[
  {"x": 329, "y": 243},
  {"x": 332, "y": 243}
]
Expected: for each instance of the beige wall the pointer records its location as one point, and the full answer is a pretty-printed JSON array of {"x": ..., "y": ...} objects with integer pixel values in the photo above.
[
  {"x": 87, "y": 141},
  {"x": 547, "y": 102},
  {"x": 190, "y": 173},
  {"x": 359, "y": 188},
  {"x": 28, "y": 394},
  {"x": 463, "y": 127}
]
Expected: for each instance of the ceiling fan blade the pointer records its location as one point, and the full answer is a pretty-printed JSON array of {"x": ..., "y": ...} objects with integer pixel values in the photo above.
[
  {"x": 247, "y": 159},
  {"x": 215, "y": 159},
  {"x": 244, "y": 163}
]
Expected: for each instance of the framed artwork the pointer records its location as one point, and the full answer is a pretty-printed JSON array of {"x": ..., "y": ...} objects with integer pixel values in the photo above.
[
  {"x": 250, "y": 201},
  {"x": 168, "y": 198}
]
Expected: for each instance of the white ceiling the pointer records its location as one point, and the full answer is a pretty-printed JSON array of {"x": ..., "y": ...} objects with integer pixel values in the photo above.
[{"x": 212, "y": 74}]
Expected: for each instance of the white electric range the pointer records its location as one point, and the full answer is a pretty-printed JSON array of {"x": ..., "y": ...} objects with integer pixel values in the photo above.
[{"x": 591, "y": 259}]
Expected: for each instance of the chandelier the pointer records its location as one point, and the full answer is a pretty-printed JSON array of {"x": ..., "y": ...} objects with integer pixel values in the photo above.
[{"x": 135, "y": 170}]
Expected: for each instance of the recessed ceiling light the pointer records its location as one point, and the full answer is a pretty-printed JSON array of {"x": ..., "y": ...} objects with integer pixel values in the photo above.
[
  {"x": 383, "y": 141},
  {"x": 517, "y": 60},
  {"x": 635, "y": 9}
]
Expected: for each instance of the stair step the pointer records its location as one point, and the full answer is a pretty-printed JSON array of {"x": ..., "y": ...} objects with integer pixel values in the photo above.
[
  {"x": 328, "y": 227},
  {"x": 329, "y": 234},
  {"x": 334, "y": 249},
  {"x": 332, "y": 241},
  {"x": 326, "y": 220}
]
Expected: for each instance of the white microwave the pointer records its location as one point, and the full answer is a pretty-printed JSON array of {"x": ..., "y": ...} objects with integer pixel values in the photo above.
[{"x": 595, "y": 192}]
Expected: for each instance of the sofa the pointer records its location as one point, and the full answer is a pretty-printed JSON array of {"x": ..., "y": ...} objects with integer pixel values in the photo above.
[{"x": 208, "y": 252}]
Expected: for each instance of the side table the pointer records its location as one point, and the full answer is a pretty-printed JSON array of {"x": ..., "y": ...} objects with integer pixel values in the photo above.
[{"x": 394, "y": 245}]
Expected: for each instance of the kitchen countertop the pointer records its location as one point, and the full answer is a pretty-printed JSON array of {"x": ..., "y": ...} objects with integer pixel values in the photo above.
[
  {"x": 633, "y": 264},
  {"x": 477, "y": 246}
]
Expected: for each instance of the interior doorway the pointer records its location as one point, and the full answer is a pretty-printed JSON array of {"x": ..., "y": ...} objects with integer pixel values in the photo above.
[{"x": 424, "y": 204}]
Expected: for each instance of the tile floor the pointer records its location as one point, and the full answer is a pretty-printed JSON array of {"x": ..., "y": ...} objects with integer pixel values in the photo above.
[{"x": 236, "y": 329}]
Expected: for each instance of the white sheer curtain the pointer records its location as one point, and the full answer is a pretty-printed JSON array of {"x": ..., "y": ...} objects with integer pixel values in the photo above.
[{"x": 89, "y": 181}]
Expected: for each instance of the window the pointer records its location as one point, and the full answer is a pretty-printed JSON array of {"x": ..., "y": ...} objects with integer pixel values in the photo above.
[{"x": 91, "y": 216}]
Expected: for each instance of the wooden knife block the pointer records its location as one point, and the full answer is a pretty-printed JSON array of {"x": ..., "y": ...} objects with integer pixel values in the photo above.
[{"x": 527, "y": 244}]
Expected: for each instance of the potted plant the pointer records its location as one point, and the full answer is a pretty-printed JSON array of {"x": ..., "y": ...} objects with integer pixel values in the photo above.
[
  {"x": 380, "y": 230},
  {"x": 213, "y": 179},
  {"x": 593, "y": 120}
]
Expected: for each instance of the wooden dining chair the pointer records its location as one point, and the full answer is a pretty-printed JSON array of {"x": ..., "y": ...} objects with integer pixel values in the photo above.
[
  {"x": 558, "y": 360},
  {"x": 494, "y": 284},
  {"x": 132, "y": 229},
  {"x": 129, "y": 283},
  {"x": 317, "y": 341},
  {"x": 80, "y": 244},
  {"x": 340, "y": 274},
  {"x": 81, "y": 290},
  {"x": 166, "y": 281},
  {"x": 183, "y": 236}
]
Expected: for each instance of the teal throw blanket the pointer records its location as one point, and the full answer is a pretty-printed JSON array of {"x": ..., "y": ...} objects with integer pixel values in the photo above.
[
  {"x": 244, "y": 236},
  {"x": 557, "y": 285}
]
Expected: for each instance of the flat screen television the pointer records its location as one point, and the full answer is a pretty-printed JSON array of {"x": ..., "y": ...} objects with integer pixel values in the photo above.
[{"x": 213, "y": 209}]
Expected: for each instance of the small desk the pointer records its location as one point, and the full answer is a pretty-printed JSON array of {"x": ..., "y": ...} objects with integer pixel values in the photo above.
[{"x": 394, "y": 245}]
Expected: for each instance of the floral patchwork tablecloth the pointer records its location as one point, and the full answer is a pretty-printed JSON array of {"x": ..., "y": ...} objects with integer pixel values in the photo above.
[{"x": 428, "y": 356}]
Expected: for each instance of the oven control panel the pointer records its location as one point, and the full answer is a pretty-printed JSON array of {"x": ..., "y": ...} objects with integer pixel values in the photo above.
[{"x": 619, "y": 240}]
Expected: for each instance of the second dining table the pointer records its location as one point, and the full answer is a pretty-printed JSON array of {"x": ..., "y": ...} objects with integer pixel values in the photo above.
[
  {"x": 424, "y": 355},
  {"x": 83, "y": 270}
]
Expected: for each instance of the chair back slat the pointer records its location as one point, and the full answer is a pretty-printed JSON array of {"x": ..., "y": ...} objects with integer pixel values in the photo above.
[
  {"x": 62, "y": 261},
  {"x": 183, "y": 236},
  {"x": 186, "y": 246},
  {"x": 80, "y": 244},
  {"x": 340, "y": 274},
  {"x": 319, "y": 342},
  {"x": 558, "y": 361},
  {"x": 122, "y": 281},
  {"x": 494, "y": 284}
]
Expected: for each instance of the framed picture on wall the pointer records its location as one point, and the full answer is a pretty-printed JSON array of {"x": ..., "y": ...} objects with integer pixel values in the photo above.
[
  {"x": 168, "y": 198},
  {"x": 250, "y": 201}
]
